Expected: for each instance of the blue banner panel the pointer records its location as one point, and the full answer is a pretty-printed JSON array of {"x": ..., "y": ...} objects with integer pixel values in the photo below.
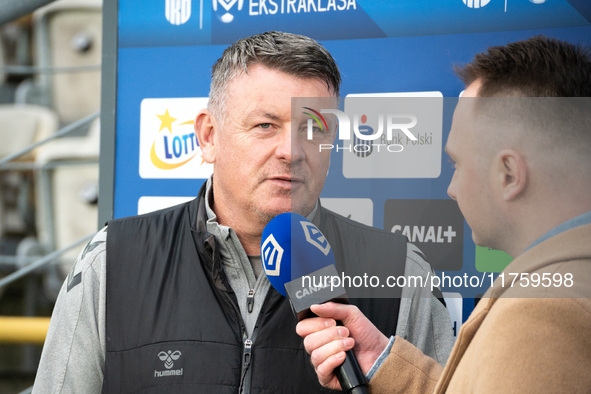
[
  {"x": 202, "y": 22},
  {"x": 398, "y": 47}
]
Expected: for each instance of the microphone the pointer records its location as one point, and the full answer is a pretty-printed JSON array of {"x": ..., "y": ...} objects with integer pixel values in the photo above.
[{"x": 299, "y": 263}]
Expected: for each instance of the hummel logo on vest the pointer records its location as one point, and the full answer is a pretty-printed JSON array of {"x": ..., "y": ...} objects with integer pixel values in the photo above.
[{"x": 169, "y": 359}]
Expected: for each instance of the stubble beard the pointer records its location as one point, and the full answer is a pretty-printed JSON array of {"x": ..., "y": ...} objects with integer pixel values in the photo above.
[{"x": 296, "y": 205}]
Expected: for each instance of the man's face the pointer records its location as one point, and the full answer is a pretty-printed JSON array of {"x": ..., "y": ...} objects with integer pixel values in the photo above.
[
  {"x": 471, "y": 182},
  {"x": 262, "y": 167}
]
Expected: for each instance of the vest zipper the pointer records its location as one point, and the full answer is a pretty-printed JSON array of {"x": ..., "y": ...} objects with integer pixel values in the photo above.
[
  {"x": 246, "y": 374},
  {"x": 246, "y": 357},
  {"x": 250, "y": 300}
]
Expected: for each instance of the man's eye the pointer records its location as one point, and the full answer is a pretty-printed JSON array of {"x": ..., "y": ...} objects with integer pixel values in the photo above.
[
  {"x": 265, "y": 125},
  {"x": 314, "y": 129}
]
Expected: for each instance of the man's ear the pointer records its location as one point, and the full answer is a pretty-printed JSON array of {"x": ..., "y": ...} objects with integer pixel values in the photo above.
[
  {"x": 512, "y": 173},
  {"x": 205, "y": 129}
]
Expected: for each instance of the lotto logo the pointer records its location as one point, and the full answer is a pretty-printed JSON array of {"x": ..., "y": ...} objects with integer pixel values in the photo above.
[{"x": 168, "y": 145}]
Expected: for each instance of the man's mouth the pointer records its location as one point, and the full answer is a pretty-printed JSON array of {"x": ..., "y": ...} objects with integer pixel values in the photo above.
[{"x": 286, "y": 180}]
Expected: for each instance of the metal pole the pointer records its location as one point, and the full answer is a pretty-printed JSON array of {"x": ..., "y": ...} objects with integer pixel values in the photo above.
[
  {"x": 19, "y": 329},
  {"x": 25, "y": 166},
  {"x": 106, "y": 200},
  {"x": 17, "y": 70},
  {"x": 60, "y": 133},
  {"x": 41, "y": 262},
  {"x": 12, "y": 10}
]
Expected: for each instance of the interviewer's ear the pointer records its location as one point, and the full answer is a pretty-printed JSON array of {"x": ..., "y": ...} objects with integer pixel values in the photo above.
[
  {"x": 512, "y": 173},
  {"x": 205, "y": 129}
]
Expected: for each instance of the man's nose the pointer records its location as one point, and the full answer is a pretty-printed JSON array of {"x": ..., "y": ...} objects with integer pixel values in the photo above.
[
  {"x": 451, "y": 189},
  {"x": 289, "y": 147}
]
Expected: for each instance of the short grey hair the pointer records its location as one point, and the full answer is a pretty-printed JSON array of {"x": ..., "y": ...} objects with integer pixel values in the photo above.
[{"x": 292, "y": 54}]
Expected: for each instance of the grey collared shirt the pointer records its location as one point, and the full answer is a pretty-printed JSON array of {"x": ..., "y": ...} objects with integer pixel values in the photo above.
[{"x": 238, "y": 266}]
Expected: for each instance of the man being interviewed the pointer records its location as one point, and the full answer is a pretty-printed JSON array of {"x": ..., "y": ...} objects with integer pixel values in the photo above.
[
  {"x": 174, "y": 300},
  {"x": 520, "y": 140}
]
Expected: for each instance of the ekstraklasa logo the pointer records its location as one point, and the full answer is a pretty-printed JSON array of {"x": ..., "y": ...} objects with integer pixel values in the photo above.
[{"x": 227, "y": 5}]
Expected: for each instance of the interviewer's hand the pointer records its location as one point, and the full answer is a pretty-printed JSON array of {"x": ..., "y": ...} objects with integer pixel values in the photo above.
[{"x": 326, "y": 342}]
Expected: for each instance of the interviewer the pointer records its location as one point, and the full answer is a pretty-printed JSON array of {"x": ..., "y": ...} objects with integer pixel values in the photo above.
[{"x": 523, "y": 182}]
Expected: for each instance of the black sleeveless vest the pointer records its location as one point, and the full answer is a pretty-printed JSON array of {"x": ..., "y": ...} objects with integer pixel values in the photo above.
[{"x": 172, "y": 321}]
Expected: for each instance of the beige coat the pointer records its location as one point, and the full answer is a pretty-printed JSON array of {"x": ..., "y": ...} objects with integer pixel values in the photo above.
[{"x": 517, "y": 339}]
